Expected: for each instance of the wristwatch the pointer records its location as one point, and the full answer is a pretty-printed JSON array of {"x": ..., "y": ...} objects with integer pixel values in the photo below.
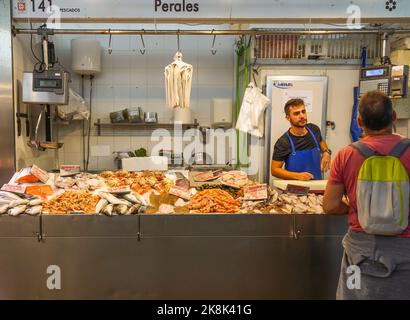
[{"x": 328, "y": 151}]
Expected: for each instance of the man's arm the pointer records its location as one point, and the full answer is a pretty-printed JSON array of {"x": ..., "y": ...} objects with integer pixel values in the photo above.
[
  {"x": 279, "y": 172},
  {"x": 325, "y": 161},
  {"x": 333, "y": 202}
]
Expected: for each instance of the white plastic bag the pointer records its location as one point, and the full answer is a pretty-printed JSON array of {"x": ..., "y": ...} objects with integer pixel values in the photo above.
[
  {"x": 76, "y": 109},
  {"x": 251, "y": 116}
]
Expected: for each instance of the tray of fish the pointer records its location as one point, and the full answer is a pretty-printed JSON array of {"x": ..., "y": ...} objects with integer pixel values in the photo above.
[
  {"x": 283, "y": 202},
  {"x": 121, "y": 204},
  {"x": 15, "y": 205}
]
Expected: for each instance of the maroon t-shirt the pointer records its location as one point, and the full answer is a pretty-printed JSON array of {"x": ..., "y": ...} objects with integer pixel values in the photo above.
[{"x": 346, "y": 166}]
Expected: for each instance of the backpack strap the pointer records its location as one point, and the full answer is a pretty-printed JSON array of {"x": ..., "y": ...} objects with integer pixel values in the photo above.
[
  {"x": 400, "y": 148},
  {"x": 364, "y": 150}
]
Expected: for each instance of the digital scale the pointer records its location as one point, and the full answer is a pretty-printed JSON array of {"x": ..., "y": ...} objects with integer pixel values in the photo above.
[
  {"x": 389, "y": 79},
  {"x": 47, "y": 87}
]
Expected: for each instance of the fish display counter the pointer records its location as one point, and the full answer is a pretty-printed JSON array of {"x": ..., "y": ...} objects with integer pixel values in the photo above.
[{"x": 252, "y": 249}]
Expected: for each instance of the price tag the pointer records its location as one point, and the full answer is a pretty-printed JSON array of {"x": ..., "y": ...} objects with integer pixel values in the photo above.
[
  {"x": 69, "y": 170},
  {"x": 180, "y": 192},
  {"x": 39, "y": 173},
  {"x": 204, "y": 176},
  {"x": 301, "y": 190},
  {"x": 256, "y": 192},
  {"x": 120, "y": 190},
  {"x": 13, "y": 188}
]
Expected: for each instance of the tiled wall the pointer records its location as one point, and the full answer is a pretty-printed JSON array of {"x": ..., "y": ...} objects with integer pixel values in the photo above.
[{"x": 130, "y": 79}]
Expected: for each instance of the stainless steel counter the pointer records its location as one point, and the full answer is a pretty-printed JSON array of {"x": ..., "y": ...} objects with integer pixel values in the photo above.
[{"x": 203, "y": 256}]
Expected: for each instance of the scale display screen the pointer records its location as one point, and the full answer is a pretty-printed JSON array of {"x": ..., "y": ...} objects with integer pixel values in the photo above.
[
  {"x": 374, "y": 72},
  {"x": 49, "y": 83}
]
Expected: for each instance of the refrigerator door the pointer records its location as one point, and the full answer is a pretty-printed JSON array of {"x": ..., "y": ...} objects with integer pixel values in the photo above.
[{"x": 279, "y": 89}]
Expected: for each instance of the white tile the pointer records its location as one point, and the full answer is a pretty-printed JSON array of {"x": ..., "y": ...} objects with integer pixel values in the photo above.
[
  {"x": 215, "y": 77},
  {"x": 138, "y": 77},
  {"x": 156, "y": 93},
  {"x": 158, "y": 62},
  {"x": 106, "y": 163},
  {"x": 72, "y": 144},
  {"x": 73, "y": 158},
  {"x": 139, "y": 142},
  {"x": 222, "y": 59},
  {"x": 122, "y": 143},
  {"x": 121, "y": 76},
  {"x": 137, "y": 60},
  {"x": 106, "y": 141},
  {"x": 155, "y": 77},
  {"x": 154, "y": 43},
  {"x": 104, "y": 77},
  {"x": 104, "y": 92},
  {"x": 122, "y": 97},
  {"x": 120, "y": 60},
  {"x": 93, "y": 163},
  {"x": 100, "y": 151}
]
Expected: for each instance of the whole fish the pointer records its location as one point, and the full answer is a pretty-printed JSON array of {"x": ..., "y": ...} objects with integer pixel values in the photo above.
[
  {"x": 17, "y": 210},
  {"x": 108, "y": 210},
  {"x": 32, "y": 211},
  {"x": 111, "y": 199},
  {"x": 121, "y": 209},
  {"x": 3, "y": 208},
  {"x": 35, "y": 202},
  {"x": 141, "y": 199},
  {"x": 130, "y": 197},
  {"x": 101, "y": 205},
  {"x": 16, "y": 203},
  {"x": 9, "y": 195},
  {"x": 134, "y": 209}
]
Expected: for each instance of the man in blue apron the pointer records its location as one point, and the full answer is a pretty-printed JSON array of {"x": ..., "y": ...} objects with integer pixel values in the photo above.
[{"x": 301, "y": 148}]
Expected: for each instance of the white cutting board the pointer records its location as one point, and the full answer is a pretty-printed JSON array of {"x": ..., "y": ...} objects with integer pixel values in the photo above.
[{"x": 313, "y": 185}]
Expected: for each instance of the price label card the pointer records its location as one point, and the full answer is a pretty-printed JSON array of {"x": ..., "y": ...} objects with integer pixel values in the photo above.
[
  {"x": 39, "y": 173},
  {"x": 256, "y": 192},
  {"x": 204, "y": 176},
  {"x": 180, "y": 192},
  {"x": 291, "y": 188},
  {"x": 119, "y": 190},
  {"x": 13, "y": 188},
  {"x": 69, "y": 170}
]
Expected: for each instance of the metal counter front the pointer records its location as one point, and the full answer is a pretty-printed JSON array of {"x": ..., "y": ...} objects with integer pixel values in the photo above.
[{"x": 190, "y": 256}]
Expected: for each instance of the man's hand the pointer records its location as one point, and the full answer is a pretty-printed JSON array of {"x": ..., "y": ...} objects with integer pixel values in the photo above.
[
  {"x": 325, "y": 162},
  {"x": 304, "y": 176}
]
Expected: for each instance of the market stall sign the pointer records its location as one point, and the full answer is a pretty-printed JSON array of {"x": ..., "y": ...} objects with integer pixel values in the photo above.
[
  {"x": 237, "y": 10},
  {"x": 256, "y": 192}
]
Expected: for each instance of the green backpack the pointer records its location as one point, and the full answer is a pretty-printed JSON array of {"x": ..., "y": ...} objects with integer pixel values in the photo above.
[{"x": 382, "y": 191}]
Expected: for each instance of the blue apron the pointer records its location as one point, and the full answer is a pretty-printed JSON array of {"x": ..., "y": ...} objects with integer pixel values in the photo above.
[{"x": 305, "y": 160}]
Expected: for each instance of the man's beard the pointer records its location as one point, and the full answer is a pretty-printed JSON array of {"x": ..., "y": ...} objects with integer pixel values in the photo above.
[{"x": 297, "y": 125}]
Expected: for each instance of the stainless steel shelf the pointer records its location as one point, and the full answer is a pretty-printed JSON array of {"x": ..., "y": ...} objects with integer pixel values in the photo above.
[{"x": 141, "y": 126}]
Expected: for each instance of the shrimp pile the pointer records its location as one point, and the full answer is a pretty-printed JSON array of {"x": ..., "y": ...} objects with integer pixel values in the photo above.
[
  {"x": 213, "y": 200},
  {"x": 72, "y": 201}
]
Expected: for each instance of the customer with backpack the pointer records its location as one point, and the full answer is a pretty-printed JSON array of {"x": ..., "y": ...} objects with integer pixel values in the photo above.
[{"x": 374, "y": 175}]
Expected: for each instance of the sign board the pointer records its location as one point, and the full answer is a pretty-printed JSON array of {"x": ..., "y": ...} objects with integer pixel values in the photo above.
[{"x": 227, "y": 10}]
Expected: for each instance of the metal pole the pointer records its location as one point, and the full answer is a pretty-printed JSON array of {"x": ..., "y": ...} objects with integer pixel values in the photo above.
[{"x": 214, "y": 32}]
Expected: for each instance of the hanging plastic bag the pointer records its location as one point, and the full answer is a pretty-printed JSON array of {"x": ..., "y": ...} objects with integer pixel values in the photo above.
[
  {"x": 251, "y": 115},
  {"x": 76, "y": 109}
]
